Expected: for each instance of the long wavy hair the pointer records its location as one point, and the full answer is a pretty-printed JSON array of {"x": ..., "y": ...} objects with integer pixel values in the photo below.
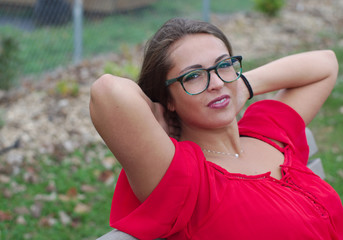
[{"x": 156, "y": 62}]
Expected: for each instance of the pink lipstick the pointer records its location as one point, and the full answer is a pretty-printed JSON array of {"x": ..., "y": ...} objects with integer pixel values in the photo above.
[{"x": 219, "y": 102}]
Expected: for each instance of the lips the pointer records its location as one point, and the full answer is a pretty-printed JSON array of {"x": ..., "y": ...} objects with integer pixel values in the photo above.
[{"x": 219, "y": 102}]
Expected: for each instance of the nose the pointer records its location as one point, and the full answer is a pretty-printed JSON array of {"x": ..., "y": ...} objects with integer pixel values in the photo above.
[{"x": 215, "y": 81}]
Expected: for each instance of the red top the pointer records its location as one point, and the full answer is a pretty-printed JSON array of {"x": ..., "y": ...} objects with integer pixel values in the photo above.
[{"x": 197, "y": 199}]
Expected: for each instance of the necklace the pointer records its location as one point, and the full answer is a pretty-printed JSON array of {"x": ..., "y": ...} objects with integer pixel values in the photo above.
[{"x": 236, "y": 155}]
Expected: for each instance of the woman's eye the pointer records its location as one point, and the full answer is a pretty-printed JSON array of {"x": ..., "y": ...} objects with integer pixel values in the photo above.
[
  {"x": 225, "y": 64},
  {"x": 191, "y": 76}
]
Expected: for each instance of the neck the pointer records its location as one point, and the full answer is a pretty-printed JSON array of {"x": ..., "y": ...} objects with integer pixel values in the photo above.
[{"x": 224, "y": 139}]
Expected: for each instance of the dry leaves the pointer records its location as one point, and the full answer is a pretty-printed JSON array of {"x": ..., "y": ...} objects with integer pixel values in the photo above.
[
  {"x": 5, "y": 216},
  {"x": 107, "y": 177},
  {"x": 82, "y": 208},
  {"x": 340, "y": 173}
]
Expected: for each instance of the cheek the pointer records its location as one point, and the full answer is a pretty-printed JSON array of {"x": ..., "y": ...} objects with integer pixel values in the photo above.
[
  {"x": 176, "y": 96},
  {"x": 189, "y": 109}
]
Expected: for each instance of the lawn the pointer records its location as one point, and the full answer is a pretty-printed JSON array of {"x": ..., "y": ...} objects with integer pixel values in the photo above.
[
  {"x": 70, "y": 197},
  {"x": 46, "y": 48},
  {"x": 328, "y": 130}
]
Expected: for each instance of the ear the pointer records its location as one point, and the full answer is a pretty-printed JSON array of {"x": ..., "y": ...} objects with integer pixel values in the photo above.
[{"x": 170, "y": 105}]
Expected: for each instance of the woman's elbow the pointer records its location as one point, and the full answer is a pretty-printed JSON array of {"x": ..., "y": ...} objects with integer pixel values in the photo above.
[
  {"x": 101, "y": 86},
  {"x": 332, "y": 65},
  {"x": 105, "y": 89}
]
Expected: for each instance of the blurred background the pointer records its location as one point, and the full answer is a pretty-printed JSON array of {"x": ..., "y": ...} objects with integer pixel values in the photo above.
[{"x": 56, "y": 175}]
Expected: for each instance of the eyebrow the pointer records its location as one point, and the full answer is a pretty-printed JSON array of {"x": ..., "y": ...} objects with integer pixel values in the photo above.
[
  {"x": 196, "y": 66},
  {"x": 221, "y": 57}
]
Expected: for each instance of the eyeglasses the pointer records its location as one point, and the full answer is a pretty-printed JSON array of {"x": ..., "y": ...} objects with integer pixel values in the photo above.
[{"x": 197, "y": 81}]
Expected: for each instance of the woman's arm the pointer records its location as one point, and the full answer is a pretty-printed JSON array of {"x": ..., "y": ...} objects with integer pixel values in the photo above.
[
  {"x": 126, "y": 119},
  {"x": 305, "y": 80}
]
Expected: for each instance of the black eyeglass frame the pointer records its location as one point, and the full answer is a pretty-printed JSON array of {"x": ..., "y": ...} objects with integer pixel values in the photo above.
[{"x": 215, "y": 68}]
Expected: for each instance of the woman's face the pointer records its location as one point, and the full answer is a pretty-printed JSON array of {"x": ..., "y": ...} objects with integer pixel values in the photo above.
[{"x": 213, "y": 108}]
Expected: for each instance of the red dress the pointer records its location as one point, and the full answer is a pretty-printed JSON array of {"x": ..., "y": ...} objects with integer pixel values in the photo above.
[{"x": 197, "y": 199}]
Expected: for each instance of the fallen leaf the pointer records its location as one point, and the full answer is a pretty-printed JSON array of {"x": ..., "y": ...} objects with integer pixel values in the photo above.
[
  {"x": 51, "y": 187},
  {"x": 7, "y": 193},
  {"x": 108, "y": 162},
  {"x": 21, "y": 210},
  {"x": 64, "y": 218},
  {"x": 36, "y": 209},
  {"x": 30, "y": 175},
  {"x": 340, "y": 173},
  {"x": 107, "y": 177},
  {"x": 88, "y": 188},
  {"x": 47, "y": 221},
  {"x": 46, "y": 197},
  {"x": 72, "y": 192},
  {"x": 28, "y": 235},
  {"x": 5, "y": 216},
  {"x": 21, "y": 220},
  {"x": 4, "y": 178},
  {"x": 75, "y": 223},
  {"x": 82, "y": 208},
  {"x": 63, "y": 198}
]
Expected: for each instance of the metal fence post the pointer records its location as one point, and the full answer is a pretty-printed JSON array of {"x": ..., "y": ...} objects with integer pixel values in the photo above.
[
  {"x": 77, "y": 19},
  {"x": 206, "y": 10}
]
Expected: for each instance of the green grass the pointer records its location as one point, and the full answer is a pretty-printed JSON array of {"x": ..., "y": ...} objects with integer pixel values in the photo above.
[
  {"x": 49, "y": 47},
  {"x": 328, "y": 131},
  {"x": 71, "y": 172}
]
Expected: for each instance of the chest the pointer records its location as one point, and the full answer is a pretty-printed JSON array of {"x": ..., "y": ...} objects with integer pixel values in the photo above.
[
  {"x": 257, "y": 158},
  {"x": 264, "y": 216},
  {"x": 260, "y": 207}
]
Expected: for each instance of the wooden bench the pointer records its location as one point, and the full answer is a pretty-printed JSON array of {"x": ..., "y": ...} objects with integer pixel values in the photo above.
[{"x": 314, "y": 164}]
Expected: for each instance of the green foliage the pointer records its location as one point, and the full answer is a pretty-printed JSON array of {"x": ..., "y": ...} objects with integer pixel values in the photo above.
[
  {"x": 2, "y": 118},
  {"x": 269, "y": 7},
  {"x": 47, "y": 48},
  {"x": 67, "y": 88},
  {"x": 327, "y": 128},
  {"x": 127, "y": 69},
  {"x": 9, "y": 61},
  {"x": 76, "y": 182}
]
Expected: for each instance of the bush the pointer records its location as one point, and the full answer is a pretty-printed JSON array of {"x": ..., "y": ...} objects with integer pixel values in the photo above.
[
  {"x": 2, "y": 118},
  {"x": 9, "y": 61},
  {"x": 127, "y": 69},
  {"x": 67, "y": 88},
  {"x": 269, "y": 7}
]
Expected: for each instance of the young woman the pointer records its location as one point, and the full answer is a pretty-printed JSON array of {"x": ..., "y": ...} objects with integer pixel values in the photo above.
[{"x": 216, "y": 178}]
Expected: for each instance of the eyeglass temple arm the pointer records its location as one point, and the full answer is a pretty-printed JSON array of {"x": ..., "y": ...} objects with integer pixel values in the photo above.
[{"x": 170, "y": 81}]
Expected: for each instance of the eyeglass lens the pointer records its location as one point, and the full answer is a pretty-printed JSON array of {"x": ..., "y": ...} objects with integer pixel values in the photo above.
[{"x": 198, "y": 80}]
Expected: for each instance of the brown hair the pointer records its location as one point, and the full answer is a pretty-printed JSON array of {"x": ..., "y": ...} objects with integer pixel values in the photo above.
[{"x": 156, "y": 63}]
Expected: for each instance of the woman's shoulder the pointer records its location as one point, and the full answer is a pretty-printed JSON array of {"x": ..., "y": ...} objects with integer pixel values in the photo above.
[
  {"x": 272, "y": 111},
  {"x": 276, "y": 121}
]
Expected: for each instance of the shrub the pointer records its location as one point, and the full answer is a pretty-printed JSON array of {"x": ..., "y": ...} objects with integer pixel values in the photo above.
[
  {"x": 128, "y": 69},
  {"x": 9, "y": 61},
  {"x": 67, "y": 88},
  {"x": 2, "y": 118},
  {"x": 269, "y": 7}
]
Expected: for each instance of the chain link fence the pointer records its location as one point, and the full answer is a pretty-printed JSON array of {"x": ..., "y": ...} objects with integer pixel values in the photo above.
[{"x": 53, "y": 33}]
